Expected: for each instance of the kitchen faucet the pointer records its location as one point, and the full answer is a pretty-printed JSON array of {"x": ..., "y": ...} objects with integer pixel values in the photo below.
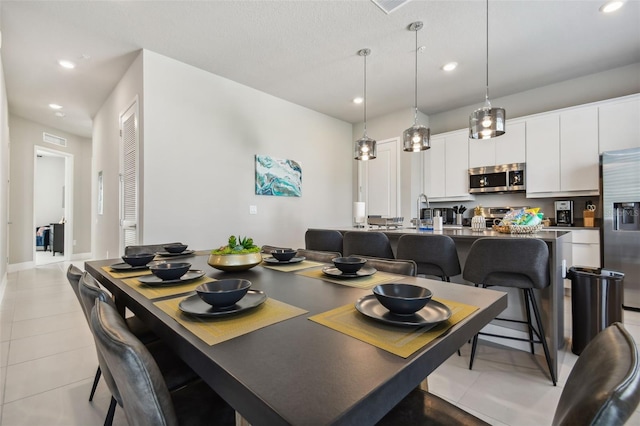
[{"x": 422, "y": 197}]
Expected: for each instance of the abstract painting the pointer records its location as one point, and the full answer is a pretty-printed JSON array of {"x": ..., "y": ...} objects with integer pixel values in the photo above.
[{"x": 275, "y": 176}]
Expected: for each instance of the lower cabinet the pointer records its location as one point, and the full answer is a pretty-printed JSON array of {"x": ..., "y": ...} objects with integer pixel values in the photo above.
[{"x": 586, "y": 248}]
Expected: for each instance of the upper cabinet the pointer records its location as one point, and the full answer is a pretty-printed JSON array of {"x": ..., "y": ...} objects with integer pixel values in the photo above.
[
  {"x": 562, "y": 153},
  {"x": 506, "y": 149},
  {"x": 620, "y": 124},
  {"x": 446, "y": 165}
]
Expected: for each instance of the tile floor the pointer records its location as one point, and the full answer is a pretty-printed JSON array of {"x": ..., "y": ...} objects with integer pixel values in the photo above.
[{"x": 47, "y": 364}]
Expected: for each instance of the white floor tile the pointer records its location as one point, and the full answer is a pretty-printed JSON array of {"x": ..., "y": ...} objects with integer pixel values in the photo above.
[
  {"x": 3, "y": 378},
  {"x": 43, "y": 374},
  {"x": 42, "y": 345},
  {"x": 37, "y": 326},
  {"x": 4, "y": 353}
]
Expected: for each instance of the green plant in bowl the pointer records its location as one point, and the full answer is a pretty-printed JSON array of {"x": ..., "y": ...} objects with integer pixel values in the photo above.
[{"x": 239, "y": 254}]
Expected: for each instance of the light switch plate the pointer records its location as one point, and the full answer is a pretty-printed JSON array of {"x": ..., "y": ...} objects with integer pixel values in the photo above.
[{"x": 253, "y": 209}]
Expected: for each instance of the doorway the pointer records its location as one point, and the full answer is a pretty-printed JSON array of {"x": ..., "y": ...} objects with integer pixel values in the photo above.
[{"x": 52, "y": 206}]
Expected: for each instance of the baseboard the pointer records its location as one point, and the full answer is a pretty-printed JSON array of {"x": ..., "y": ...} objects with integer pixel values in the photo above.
[
  {"x": 3, "y": 286},
  {"x": 81, "y": 256},
  {"x": 15, "y": 267}
]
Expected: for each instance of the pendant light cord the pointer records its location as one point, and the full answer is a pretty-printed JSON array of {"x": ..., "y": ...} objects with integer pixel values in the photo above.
[
  {"x": 415, "y": 116},
  {"x": 486, "y": 97},
  {"x": 365, "y": 94}
]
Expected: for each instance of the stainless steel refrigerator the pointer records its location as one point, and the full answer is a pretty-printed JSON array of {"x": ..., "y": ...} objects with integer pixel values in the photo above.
[{"x": 621, "y": 219}]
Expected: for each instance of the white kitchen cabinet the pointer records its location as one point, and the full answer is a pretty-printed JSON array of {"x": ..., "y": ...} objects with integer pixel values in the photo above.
[
  {"x": 619, "y": 124},
  {"x": 586, "y": 248},
  {"x": 543, "y": 154},
  {"x": 579, "y": 157},
  {"x": 562, "y": 153},
  {"x": 446, "y": 171},
  {"x": 506, "y": 149}
]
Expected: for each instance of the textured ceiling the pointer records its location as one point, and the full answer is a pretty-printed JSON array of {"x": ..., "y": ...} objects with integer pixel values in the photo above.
[{"x": 306, "y": 51}]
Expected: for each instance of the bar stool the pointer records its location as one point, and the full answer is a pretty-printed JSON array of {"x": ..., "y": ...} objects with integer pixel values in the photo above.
[
  {"x": 323, "y": 240},
  {"x": 512, "y": 262},
  {"x": 367, "y": 243},
  {"x": 434, "y": 254}
]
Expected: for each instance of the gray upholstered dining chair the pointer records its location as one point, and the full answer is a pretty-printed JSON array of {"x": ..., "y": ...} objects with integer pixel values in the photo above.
[
  {"x": 323, "y": 240},
  {"x": 602, "y": 389},
  {"x": 394, "y": 266},
  {"x": 367, "y": 243},
  {"x": 434, "y": 254},
  {"x": 143, "y": 392},
  {"x": 512, "y": 262},
  {"x": 149, "y": 248},
  {"x": 175, "y": 372},
  {"x": 318, "y": 255}
]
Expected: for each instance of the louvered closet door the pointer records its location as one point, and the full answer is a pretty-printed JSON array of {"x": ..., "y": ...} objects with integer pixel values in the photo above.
[{"x": 129, "y": 177}]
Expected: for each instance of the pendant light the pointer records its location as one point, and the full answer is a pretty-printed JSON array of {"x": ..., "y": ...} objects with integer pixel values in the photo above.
[
  {"x": 365, "y": 147},
  {"x": 416, "y": 137},
  {"x": 487, "y": 122}
]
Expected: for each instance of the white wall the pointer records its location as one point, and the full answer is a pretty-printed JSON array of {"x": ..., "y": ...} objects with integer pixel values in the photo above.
[
  {"x": 106, "y": 159},
  {"x": 25, "y": 135},
  {"x": 49, "y": 184},
  {"x": 4, "y": 180},
  {"x": 201, "y": 135}
]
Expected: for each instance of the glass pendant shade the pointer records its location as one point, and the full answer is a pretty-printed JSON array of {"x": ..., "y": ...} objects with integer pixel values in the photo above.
[
  {"x": 487, "y": 123},
  {"x": 416, "y": 138},
  {"x": 365, "y": 148}
]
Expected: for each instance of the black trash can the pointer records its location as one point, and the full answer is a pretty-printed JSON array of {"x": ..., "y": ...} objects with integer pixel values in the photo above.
[{"x": 596, "y": 303}]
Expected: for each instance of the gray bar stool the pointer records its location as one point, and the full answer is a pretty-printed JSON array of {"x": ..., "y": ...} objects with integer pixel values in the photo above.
[
  {"x": 367, "y": 243},
  {"x": 512, "y": 262},
  {"x": 323, "y": 240},
  {"x": 434, "y": 254}
]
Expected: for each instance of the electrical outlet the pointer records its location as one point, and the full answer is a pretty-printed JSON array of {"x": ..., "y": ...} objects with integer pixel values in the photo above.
[
  {"x": 253, "y": 209},
  {"x": 74, "y": 242}
]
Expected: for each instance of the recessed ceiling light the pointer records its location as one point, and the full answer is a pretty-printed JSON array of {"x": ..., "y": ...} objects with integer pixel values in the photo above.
[
  {"x": 358, "y": 100},
  {"x": 611, "y": 6},
  {"x": 66, "y": 64},
  {"x": 55, "y": 106},
  {"x": 60, "y": 114},
  {"x": 450, "y": 66}
]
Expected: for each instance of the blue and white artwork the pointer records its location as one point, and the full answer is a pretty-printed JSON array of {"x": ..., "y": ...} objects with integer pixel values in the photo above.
[{"x": 275, "y": 176}]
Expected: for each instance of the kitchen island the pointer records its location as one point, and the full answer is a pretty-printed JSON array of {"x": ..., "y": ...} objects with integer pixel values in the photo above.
[{"x": 550, "y": 299}]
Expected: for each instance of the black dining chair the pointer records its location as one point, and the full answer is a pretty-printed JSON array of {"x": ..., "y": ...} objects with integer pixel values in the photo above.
[
  {"x": 435, "y": 254},
  {"x": 367, "y": 243},
  {"x": 175, "y": 372},
  {"x": 143, "y": 392},
  {"x": 323, "y": 240},
  {"x": 602, "y": 389},
  {"x": 148, "y": 248},
  {"x": 317, "y": 255},
  {"x": 394, "y": 266},
  {"x": 521, "y": 263}
]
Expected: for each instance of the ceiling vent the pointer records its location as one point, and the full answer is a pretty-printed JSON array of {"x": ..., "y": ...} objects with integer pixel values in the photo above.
[
  {"x": 390, "y": 5},
  {"x": 56, "y": 140}
]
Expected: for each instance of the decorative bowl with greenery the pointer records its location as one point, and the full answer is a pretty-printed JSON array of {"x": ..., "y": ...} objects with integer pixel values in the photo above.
[{"x": 239, "y": 254}]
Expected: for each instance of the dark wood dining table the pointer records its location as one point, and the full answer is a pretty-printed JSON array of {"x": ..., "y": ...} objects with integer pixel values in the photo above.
[{"x": 297, "y": 371}]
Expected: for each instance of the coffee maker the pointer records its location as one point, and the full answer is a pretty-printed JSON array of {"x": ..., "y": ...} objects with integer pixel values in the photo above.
[{"x": 564, "y": 213}]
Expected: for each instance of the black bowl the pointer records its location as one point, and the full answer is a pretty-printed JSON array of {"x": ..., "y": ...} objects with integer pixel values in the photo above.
[
  {"x": 283, "y": 255},
  {"x": 402, "y": 299},
  {"x": 170, "y": 270},
  {"x": 139, "y": 259},
  {"x": 176, "y": 248},
  {"x": 349, "y": 265},
  {"x": 223, "y": 293}
]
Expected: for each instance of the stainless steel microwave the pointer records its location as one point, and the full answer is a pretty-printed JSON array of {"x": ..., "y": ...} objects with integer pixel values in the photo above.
[{"x": 503, "y": 178}]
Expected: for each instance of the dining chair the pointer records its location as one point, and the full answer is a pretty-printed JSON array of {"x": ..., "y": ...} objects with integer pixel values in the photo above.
[
  {"x": 367, "y": 243},
  {"x": 317, "y": 255},
  {"x": 175, "y": 372},
  {"x": 323, "y": 240},
  {"x": 267, "y": 249},
  {"x": 144, "y": 394},
  {"x": 434, "y": 254},
  {"x": 148, "y": 248},
  {"x": 393, "y": 266},
  {"x": 517, "y": 263}
]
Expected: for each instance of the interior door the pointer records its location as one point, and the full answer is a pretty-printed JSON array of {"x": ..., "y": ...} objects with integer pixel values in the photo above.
[
  {"x": 383, "y": 194},
  {"x": 129, "y": 166}
]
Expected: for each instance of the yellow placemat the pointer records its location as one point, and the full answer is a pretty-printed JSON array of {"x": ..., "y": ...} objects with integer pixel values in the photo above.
[
  {"x": 153, "y": 292},
  {"x": 401, "y": 341},
  {"x": 216, "y": 330},
  {"x": 361, "y": 282},
  {"x": 289, "y": 267},
  {"x": 123, "y": 275}
]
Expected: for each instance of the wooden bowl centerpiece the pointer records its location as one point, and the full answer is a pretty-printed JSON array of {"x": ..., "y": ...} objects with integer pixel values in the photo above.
[{"x": 239, "y": 254}]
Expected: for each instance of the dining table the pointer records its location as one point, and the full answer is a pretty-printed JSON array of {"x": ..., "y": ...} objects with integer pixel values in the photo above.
[{"x": 306, "y": 356}]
